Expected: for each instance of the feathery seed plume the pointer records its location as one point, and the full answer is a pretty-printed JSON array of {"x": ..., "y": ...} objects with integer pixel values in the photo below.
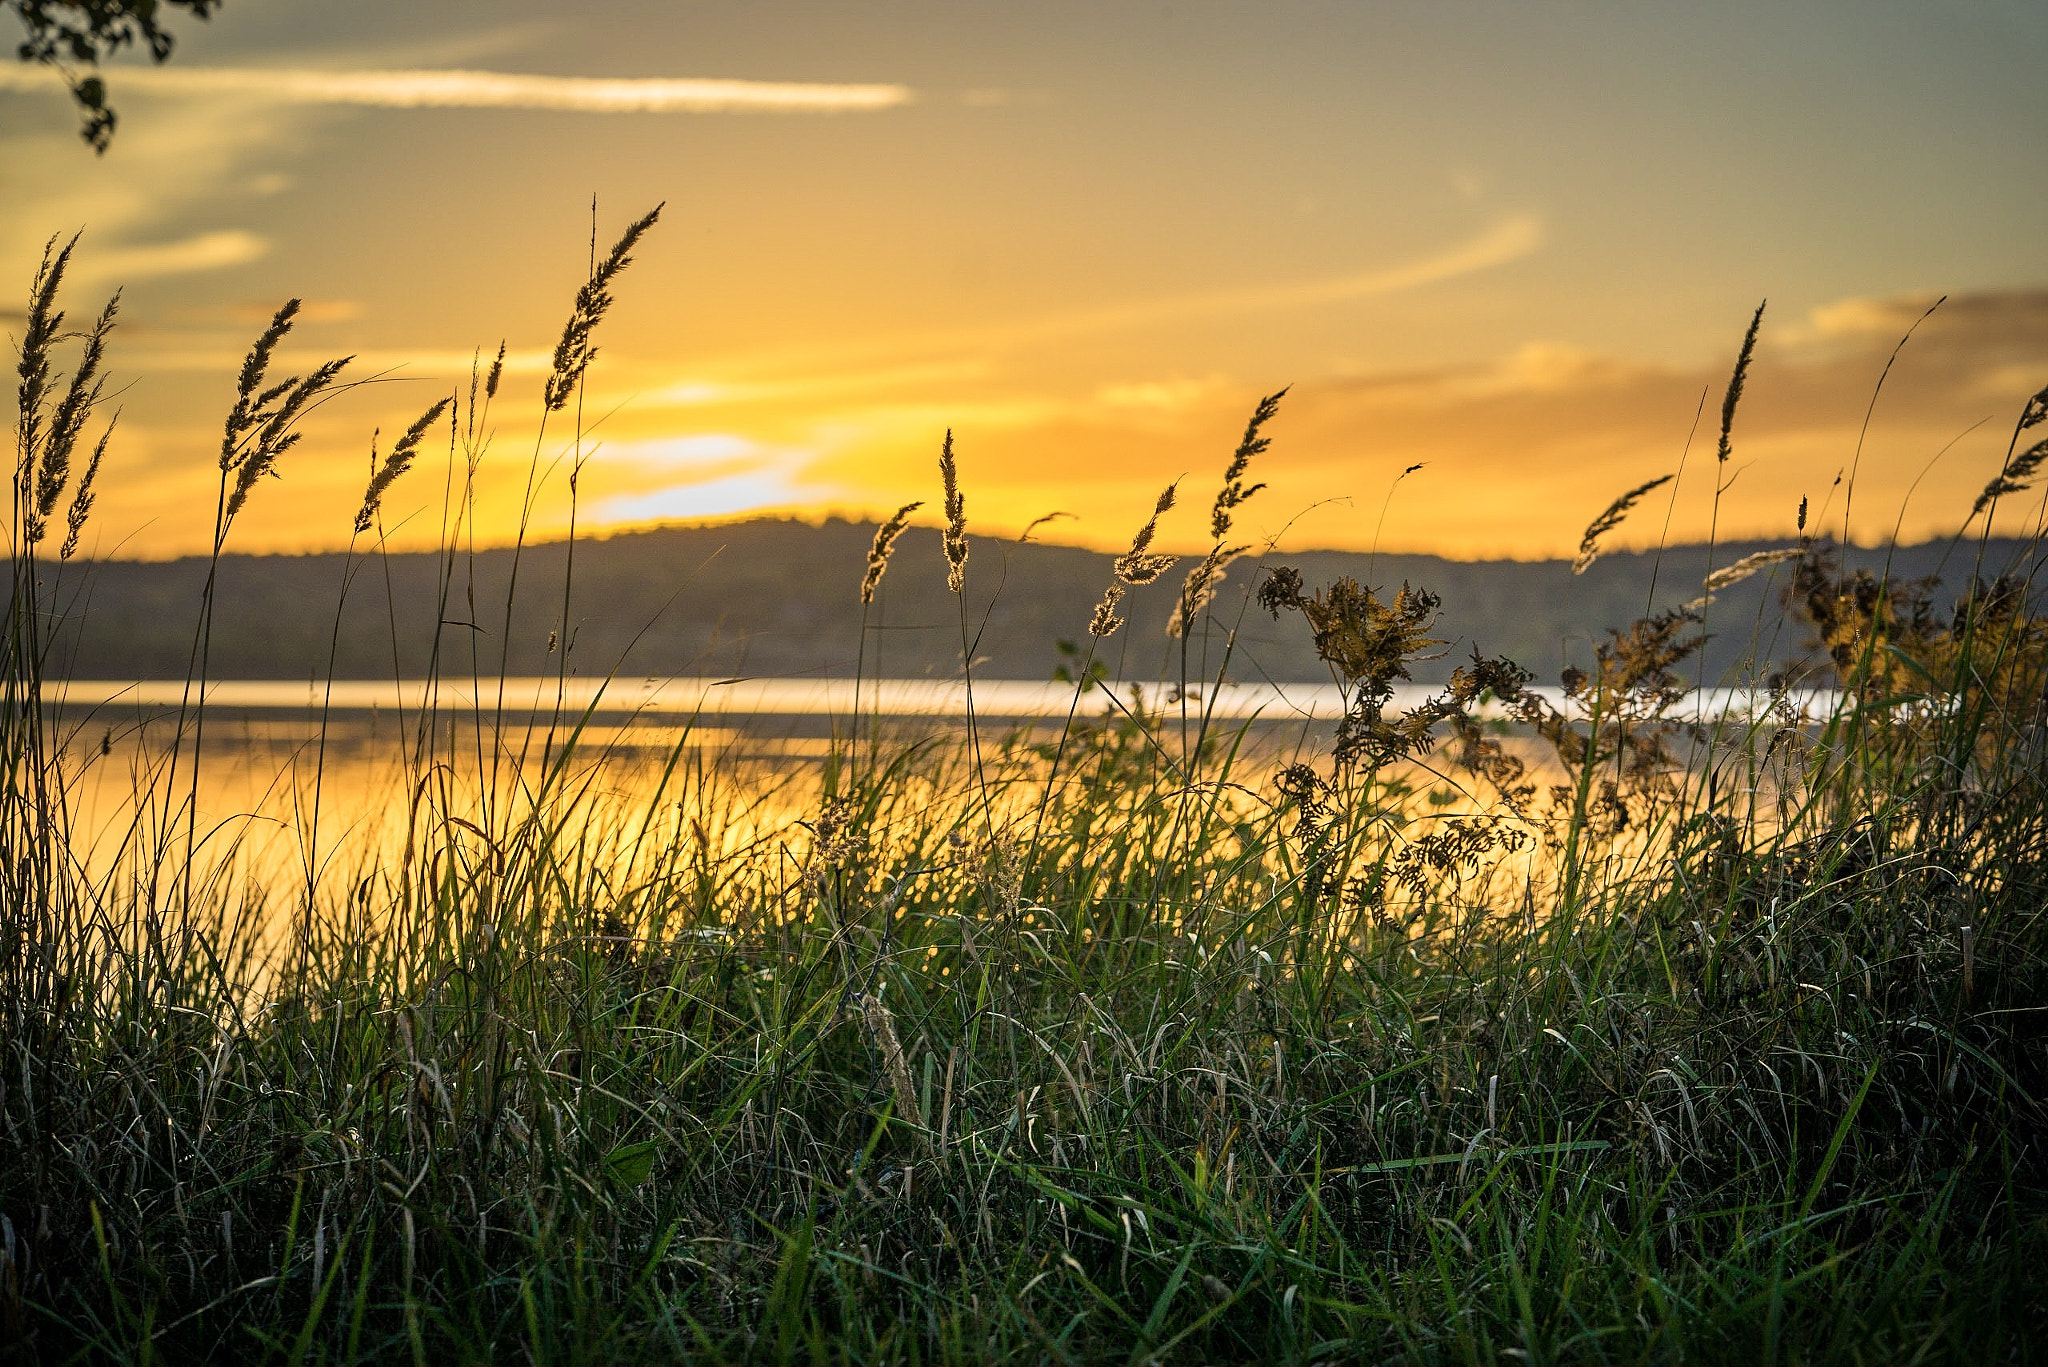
[
  {"x": 1038, "y": 522},
  {"x": 497, "y": 372},
  {"x": 2036, "y": 410},
  {"x": 1233, "y": 491},
  {"x": 1105, "y": 621},
  {"x": 1730, "y": 575},
  {"x": 2014, "y": 478},
  {"x": 254, "y": 366},
  {"x": 81, "y": 397},
  {"x": 1199, "y": 589},
  {"x": 574, "y": 353},
  {"x": 82, "y": 496},
  {"x": 956, "y": 517},
  {"x": 397, "y": 463},
  {"x": 882, "y": 1025},
  {"x": 1589, "y": 545},
  {"x": 2020, "y": 467},
  {"x": 884, "y": 547},
  {"x": 1734, "y": 394},
  {"x": 259, "y": 428},
  {"x": 1136, "y": 566},
  {"x": 275, "y": 434},
  {"x": 38, "y": 340}
]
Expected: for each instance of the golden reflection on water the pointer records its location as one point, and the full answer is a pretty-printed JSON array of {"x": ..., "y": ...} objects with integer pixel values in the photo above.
[
  {"x": 628, "y": 796},
  {"x": 258, "y": 776}
]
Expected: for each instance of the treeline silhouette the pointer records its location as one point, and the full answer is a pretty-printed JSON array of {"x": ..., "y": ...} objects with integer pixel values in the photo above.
[{"x": 780, "y": 597}]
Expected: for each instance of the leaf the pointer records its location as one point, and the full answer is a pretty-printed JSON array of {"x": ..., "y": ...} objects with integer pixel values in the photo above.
[{"x": 631, "y": 1164}]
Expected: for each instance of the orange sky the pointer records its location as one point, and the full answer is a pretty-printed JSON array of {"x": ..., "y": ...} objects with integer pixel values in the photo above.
[{"x": 1515, "y": 245}]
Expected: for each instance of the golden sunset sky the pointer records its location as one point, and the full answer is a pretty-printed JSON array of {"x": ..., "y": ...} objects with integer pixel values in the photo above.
[{"x": 1515, "y": 243}]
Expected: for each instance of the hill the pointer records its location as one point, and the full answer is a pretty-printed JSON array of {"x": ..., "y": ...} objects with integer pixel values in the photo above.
[{"x": 773, "y": 597}]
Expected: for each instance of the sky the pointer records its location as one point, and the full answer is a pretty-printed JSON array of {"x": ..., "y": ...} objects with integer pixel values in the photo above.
[{"x": 1514, "y": 244}]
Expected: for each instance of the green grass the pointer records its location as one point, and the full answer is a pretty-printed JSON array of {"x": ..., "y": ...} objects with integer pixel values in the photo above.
[{"x": 1147, "y": 1044}]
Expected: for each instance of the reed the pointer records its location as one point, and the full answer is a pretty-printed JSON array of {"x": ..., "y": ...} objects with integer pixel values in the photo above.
[{"x": 1547, "y": 1024}]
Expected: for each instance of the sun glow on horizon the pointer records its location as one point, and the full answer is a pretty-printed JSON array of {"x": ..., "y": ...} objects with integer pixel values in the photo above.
[{"x": 1088, "y": 267}]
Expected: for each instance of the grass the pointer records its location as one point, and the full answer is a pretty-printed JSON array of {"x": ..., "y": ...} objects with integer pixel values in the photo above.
[{"x": 1141, "y": 1042}]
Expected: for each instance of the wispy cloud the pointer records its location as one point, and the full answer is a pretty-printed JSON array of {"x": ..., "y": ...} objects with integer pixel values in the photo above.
[
  {"x": 1506, "y": 240},
  {"x": 201, "y": 252},
  {"x": 1509, "y": 239},
  {"x": 722, "y": 474},
  {"x": 172, "y": 354},
  {"x": 490, "y": 90}
]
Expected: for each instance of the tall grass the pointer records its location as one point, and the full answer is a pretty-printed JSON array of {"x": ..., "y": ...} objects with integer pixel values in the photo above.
[{"x": 1534, "y": 1025}]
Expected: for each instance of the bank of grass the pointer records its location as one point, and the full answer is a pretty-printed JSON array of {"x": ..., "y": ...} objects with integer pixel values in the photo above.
[{"x": 1133, "y": 1045}]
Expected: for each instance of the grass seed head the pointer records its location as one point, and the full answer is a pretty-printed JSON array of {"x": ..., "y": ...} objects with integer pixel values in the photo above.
[
  {"x": 1198, "y": 591},
  {"x": 2021, "y": 467},
  {"x": 2036, "y": 410},
  {"x": 956, "y": 517},
  {"x": 1138, "y": 565},
  {"x": 574, "y": 353},
  {"x": 1233, "y": 493},
  {"x": 1589, "y": 544},
  {"x": 38, "y": 342},
  {"x": 1728, "y": 576},
  {"x": 884, "y": 547},
  {"x": 397, "y": 463},
  {"x": 81, "y": 397},
  {"x": 1733, "y": 397},
  {"x": 82, "y": 496},
  {"x": 1105, "y": 621}
]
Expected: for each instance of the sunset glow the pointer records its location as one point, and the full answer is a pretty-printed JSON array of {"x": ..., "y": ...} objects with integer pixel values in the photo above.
[{"x": 1518, "y": 254}]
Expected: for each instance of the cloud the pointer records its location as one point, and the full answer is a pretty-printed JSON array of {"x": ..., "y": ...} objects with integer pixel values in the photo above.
[
  {"x": 489, "y": 90},
  {"x": 159, "y": 194},
  {"x": 724, "y": 475},
  {"x": 705, "y": 453},
  {"x": 698, "y": 475},
  {"x": 705, "y": 392},
  {"x": 174, "y": 354},
  {"x": 1509, "y": 239},
  {"x": 1506, "y": 240},
  {"x": 712, "y": 498},
  {"x": 202, "y": 252}
]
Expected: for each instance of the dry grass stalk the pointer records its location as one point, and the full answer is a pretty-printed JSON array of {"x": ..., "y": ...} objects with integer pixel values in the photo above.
[
  {"x": 38, "y": 341},
  {"x": 261, "y": 426},
  {"x": 397, "y": 463},
  {"x": 2020, "y": 466},
  {"x": 1135, "y": 566},
  {"x": 1733, "y": 397},
  {"x": 1234, "y": 491},
  {"x": 81, "y": 397},
  {"x": 2036, "y": 411},
  {"x": 1589, "y": 544},
  {"x": 574, "y": 353},
  {"x": 81, "y": 498},
  {"x": 1105, "y": 622},
  {"x": 1199, "y": 590},
  {"x": 884, "y": 547},
  {"x": 48, "y": 435},
  {"x": 956, "y": 517},
  {"x": 1138, "y": 565},
  {"x": 882, "y": 1025},
  {"x": 1730, "y": 575}
]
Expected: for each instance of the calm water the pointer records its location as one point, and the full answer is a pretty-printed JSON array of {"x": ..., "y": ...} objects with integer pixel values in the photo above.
[
  {"x": 751, "y": 745},
  {"x": 765, "y": 698}
]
